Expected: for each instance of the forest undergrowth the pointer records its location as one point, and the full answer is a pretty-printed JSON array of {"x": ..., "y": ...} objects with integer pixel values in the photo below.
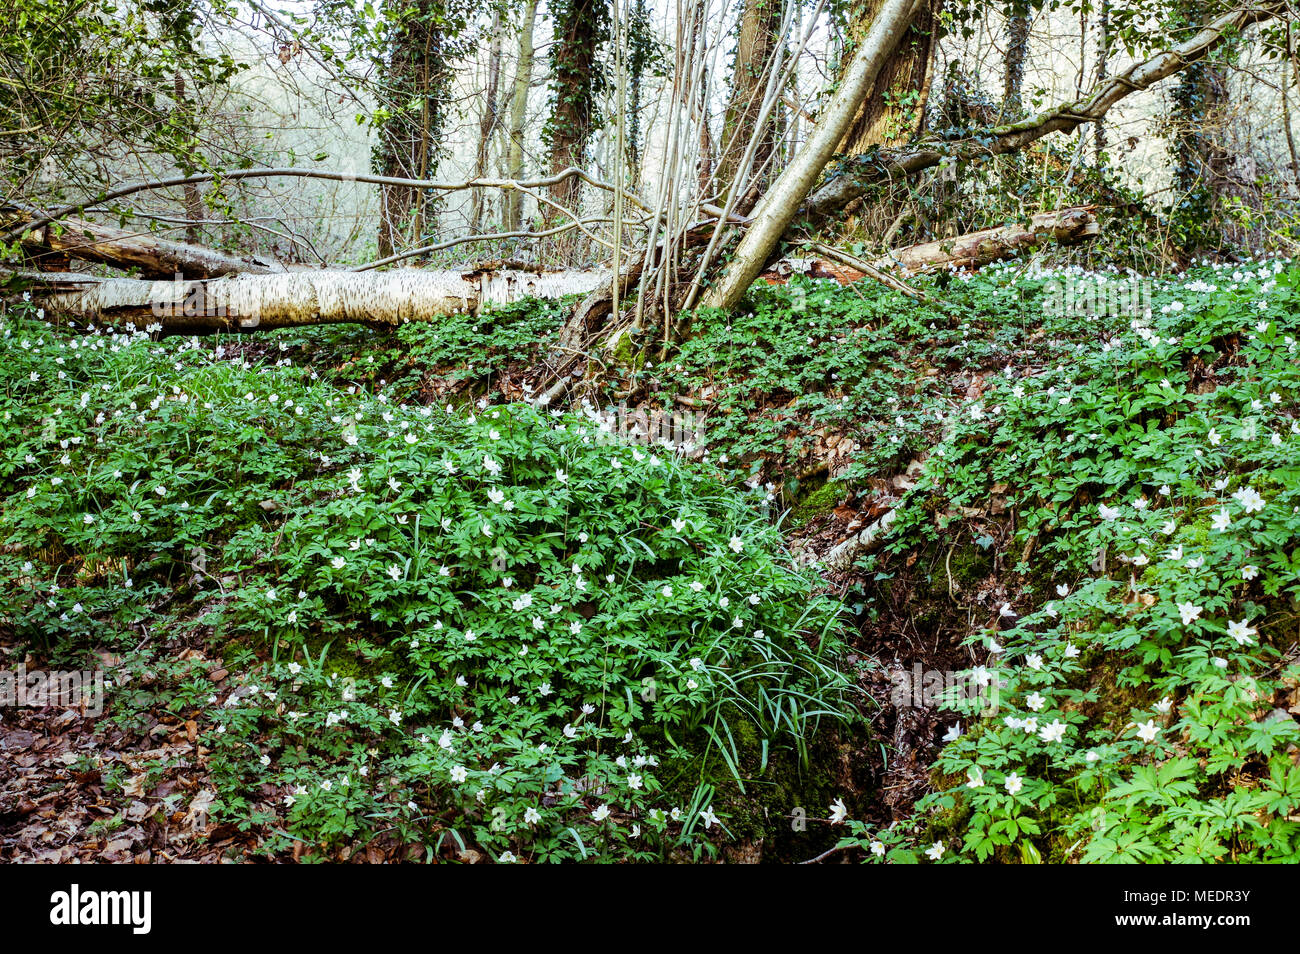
[{"x": 354, "y": 596}]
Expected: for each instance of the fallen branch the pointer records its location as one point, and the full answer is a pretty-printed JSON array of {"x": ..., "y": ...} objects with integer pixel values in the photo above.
[
  {"x": 261, "y": 300},
  {"x": 974, "y": 249},
  {"x": 121, "y": 248},
  {"x": 869, "y": 270},
  {"x": 870, "y": 539}
]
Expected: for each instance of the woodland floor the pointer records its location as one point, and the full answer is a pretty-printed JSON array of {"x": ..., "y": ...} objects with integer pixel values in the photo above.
[
  {"x": 134, "y": 787},
  {"x": 61, "y": 807},
  {"x": 58, "y": 807}
]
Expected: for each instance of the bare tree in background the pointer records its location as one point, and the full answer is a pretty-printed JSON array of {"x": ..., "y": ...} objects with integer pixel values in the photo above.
[
  {"x": 183, "y": 115},
  {"x": 512, "y": 217},
  {"x": 488, "y": 122}
]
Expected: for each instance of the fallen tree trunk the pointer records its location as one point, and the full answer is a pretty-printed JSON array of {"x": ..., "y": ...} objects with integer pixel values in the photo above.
[
  {"x": 851, "y": 183},
  {"x": 250, "y": 302},
  {"x": 155, "y": 258},
  {"x": 972, "y": 250},
  {"x": 121, "y": 248},
  {"x": 975, "y": 249},
  {"x": 319, "y": 296}
]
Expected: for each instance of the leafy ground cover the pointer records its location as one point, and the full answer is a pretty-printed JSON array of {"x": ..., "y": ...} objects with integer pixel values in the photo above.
[
  {"x": 367, "y": 601},
  {"x": 492, "y": 629}
]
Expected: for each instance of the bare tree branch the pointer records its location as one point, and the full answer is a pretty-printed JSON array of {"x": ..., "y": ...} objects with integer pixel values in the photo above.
[
  {"x": 489, "y": 237},
  {"x": 290, "y": 172}
]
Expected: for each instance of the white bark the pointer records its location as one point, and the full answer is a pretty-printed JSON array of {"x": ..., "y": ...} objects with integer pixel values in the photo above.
[
  {"x": 870, "y": 539},
  {"x": 263, "y": 302}
]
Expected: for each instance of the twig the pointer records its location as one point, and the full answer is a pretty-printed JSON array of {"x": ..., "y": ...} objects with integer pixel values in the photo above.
[
  {"x": 852, "y": 261},
  {"x": 824, "y": 855}
]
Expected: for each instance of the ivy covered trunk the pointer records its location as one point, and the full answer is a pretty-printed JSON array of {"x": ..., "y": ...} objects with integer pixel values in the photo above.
[
  {"x": 894, "y": 109},
  {"x": 416, "y": 85},
  {"x": 1200, "y": 103},
  {"x": 581, "y": 28},
  {"x": 1013, "y": 77}
]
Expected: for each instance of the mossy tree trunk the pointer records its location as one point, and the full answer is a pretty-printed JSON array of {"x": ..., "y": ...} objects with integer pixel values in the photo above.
[{"x": 894, "y": 109}]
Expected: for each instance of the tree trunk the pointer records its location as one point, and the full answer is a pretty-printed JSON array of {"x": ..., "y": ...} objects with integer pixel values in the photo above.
[
  {"x": 581, "y": 27},
  {"x": 514, "y": 201},
  {"x": 781, "y": 203},
  {"x": 193, "y": 200},
  {"x": 120, "y": 248},
  {"x": 637, "y": 62},
  {"x": 1103, "y": 60},
  {"x": 291, "y": 299},
  {"x": 894, "y": 109},
  {"x": 1200, "y": 159},
  {"x": 1013, "y": 77},
  {"x": 256, "y": 300},
  {"x": 487, "y": 124},
  {"x": 415, "y": 81},
  {"x": 756, "y": 45},
  {"x": 976, "y": 249},
  {"x": 894, "y": 164}
]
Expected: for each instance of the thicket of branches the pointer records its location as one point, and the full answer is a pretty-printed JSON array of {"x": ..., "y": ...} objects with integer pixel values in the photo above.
[{"x": 709, "y": 135}]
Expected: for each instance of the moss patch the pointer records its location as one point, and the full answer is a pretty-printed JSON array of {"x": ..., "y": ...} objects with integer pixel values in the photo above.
[{"x": 814, "y": 502}]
